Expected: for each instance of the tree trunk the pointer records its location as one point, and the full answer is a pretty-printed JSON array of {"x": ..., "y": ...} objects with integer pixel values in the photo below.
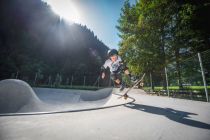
[
  {"x": 178, "y": 69},
  {"x": 163, "y": 56}
]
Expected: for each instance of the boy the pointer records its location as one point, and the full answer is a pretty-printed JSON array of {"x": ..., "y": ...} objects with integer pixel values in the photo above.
[{"x": 116, "y": 67}]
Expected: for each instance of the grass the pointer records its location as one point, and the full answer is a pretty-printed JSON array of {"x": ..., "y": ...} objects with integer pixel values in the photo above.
[
  {"x": 188, "y": 92},
  {"x": 175, "y": 91},
  {"x": 69, "y": 87},
  {"x": 177, "y": 88}
]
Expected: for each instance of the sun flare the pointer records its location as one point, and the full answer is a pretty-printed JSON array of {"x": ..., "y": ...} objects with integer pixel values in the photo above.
[{"x": 66, "y": 9}]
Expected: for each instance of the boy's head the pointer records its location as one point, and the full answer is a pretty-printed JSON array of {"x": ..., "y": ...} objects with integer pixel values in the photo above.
[
  {"x": 112, "y": 54},
  {"x": 113, "y": 58}
]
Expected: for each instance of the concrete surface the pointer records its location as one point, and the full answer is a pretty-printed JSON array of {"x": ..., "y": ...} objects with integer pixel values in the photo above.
[
  {"x": 18, "y": 98},
  {"x": 148, "y": 118},
  {"x": 15, "y": 94}
]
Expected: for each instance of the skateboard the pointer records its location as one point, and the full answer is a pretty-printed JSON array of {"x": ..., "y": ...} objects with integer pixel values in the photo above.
[{"x": 125, "y": 94}]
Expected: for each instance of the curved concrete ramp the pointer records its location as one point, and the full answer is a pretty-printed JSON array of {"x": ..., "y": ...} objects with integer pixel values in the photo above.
[
  {"x": 18, "y": 98},
  {"x": 15, "y": 95}
]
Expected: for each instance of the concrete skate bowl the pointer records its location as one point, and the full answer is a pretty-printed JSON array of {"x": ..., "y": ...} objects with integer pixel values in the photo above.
[{"x": 18, "y": 98}]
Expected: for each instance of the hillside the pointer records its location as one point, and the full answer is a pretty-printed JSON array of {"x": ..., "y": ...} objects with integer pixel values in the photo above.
[{"x": 33, "y": 39}]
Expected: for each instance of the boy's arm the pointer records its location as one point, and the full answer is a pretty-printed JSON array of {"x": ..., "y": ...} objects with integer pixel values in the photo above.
[
  {"x": 103, "y": 70},
  {"x": 124, "y": 68}
]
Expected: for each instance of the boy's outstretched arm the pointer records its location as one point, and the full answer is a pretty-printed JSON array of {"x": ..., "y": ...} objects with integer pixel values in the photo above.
[
  {"x": 125, "y": 68},
  {"x": 103, "y": 72}
]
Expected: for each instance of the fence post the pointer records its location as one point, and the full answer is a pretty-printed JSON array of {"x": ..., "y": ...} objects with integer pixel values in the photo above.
[
  {"x": 151, "y": 85},
  {"x": 84, "y": 81},
  {"x": 98, "y": 81},
  {"x": 167, "y": 81},
  {"x": 35, "y": 79},
  {"x": 60, "y": 79},
  {"x": 16, "y": 77},
  {"x": 72, "y": 78},
  {"x": 49, "y": 80},
  {"x": 67, "y": 81},
  {"x": 203, "y": 76}
]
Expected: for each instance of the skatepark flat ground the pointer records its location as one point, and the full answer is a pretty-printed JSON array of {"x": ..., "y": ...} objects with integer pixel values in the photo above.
[{"x": 148, "y": 118}]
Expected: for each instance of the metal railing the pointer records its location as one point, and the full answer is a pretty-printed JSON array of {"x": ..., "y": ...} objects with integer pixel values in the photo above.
[{"x": 189, "y": 79}]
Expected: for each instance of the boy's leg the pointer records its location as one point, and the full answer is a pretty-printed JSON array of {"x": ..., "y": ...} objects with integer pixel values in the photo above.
[
  {"x": 132, "y": 79},
  {"x": 117, "y": 81},
  {"x": 121, "y": 83},
  {"x": 117, "y": 78},
  {"x": 114, "y": 78}
]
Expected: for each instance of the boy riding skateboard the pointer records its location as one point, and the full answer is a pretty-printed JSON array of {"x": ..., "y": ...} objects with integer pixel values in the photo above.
[{"x": 116, "y": 67}]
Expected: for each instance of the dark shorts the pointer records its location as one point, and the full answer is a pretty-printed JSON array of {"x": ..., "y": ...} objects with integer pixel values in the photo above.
[{"x": 115, "y": 76}]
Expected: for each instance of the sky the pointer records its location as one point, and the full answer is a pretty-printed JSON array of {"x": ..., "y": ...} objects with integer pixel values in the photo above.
[{"x": 100, "y": 16}]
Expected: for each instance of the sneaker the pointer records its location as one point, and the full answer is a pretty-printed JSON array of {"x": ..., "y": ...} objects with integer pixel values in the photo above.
[
  {"x": 133, "y": 79},
  {"x": 122, "y": 86}
]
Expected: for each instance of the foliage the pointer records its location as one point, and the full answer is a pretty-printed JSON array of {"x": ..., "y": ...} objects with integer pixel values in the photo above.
[
  {"x": 34, "y": 39},
  {"x": 155, "y": 33}
]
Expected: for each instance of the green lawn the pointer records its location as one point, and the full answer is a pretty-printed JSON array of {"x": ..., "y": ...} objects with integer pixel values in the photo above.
[
  {"x": 70, "y": 87},
  {"x": 177, "y": 88}
]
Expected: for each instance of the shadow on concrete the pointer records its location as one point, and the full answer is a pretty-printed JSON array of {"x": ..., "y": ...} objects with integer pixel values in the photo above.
[{"x": 174, "y": 115}]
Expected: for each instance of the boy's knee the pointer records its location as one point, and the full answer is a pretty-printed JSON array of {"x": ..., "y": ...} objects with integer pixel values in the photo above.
[
  {"x": 113, "y": 77},
  {"x": 117, "y": 81}
]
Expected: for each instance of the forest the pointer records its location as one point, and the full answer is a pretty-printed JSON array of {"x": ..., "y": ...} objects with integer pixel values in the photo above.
[
  {"x": 158, "y": 33},
  {"x": 36, "y": 42}
]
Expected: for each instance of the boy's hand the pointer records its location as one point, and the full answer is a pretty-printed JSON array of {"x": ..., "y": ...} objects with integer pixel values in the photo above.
[
  {"x": 127, "y": 72},
  {"x": 103, "y": 75}
]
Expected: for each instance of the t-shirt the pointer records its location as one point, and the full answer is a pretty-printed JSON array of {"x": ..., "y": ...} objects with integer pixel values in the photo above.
[{"x": 113, "y": 66}]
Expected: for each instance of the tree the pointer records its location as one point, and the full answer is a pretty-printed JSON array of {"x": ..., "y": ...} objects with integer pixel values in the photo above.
[
  {"x": 155, "y": 33},
  {"x": 33, "y": 38}
]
